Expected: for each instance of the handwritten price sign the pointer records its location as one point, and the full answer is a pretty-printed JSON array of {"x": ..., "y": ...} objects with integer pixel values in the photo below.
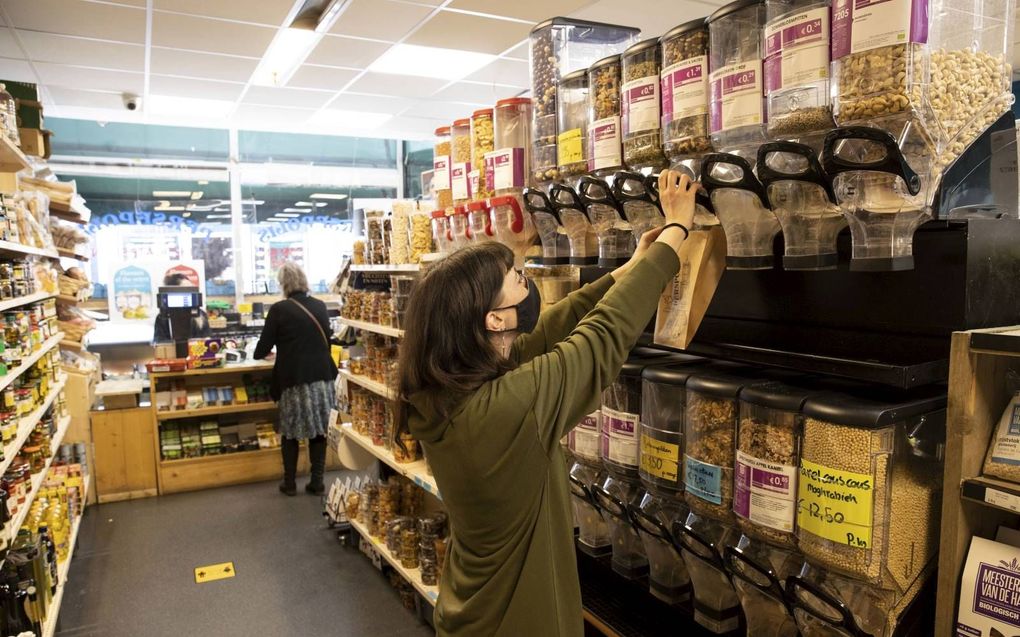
[{"x": 836, "y": 505}]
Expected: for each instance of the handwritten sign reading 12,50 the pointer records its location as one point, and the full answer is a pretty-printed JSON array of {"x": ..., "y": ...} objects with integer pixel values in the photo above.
[{"x": 836, "y": 505}]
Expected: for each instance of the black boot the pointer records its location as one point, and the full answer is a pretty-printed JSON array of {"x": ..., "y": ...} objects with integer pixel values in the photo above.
[
  {"x": 289, "y": 448},
  {"x": 317, "y": 458}
]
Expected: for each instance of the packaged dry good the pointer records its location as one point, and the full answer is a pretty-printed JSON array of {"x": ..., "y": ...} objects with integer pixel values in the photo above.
[
  {"x": 870, "y": 484},
  {"x": 605, "y": 138},
  {"x": 759, "y": 572},
  {"x": 1003, "y": 458},
  {"x": 441, "y": 168},
  {"x": 593, "y": 537},
  {"x": 685, "y": 90},
  {"x": 9, "y": 116},
  {"x": 378, "y": 228},
  {"x": 400, "y": 248},
  {"x": 709, "y": 432},
  {"x": 663, "y": 402},
  {"x": 615, "y": 497},
  {"x": 796, "y": 67},
  {"x": 654, "y": 520},
  {"x": 642, "y": 142},
  {"x": 557, "y": 47},
  {"x": 508, "y": 166},
  {"x": 358, "y": 252},
  {"x": 572, "y": 124},
  {"x": 768, "y": 461},
  {"x": 704, "y": 541},
  {"x": 736, "y": 106},
  {"x": 460, "y": 161},
  {"x": 482, "y": 143}
]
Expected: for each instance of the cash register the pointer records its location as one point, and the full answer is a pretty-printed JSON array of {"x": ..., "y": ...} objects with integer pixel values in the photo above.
[{"x": 183, "y": 308}]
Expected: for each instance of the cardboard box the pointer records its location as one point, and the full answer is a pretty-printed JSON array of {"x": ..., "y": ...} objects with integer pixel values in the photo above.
[
  {"x": 990, "y": 591},
  {"x": 33, "y": 142}
]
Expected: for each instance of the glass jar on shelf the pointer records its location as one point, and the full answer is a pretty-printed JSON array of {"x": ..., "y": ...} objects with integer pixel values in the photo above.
[
  {"x": 642, "y": 142},
  {"x": 441, "y": 168},
  {"x": 482, "y": 143}
]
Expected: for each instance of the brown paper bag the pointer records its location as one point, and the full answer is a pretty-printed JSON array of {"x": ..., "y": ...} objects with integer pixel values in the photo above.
[{"x": 685, "y": 300}]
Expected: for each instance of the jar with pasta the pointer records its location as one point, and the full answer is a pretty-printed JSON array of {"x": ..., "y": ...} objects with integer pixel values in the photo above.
[
  {"x": 642, "y": 142},
  {"x": 709, "y": 433},
  {"x": 870, "y": 484},
  {"x": 605, "y": 139},
  {"x": 460, "y": 162},
  {"x": 685, "y": 92},
  {"x": 441, "y": 168},
  {"x": 482, "y": 140},
  {"x": 572, "y": 123}
]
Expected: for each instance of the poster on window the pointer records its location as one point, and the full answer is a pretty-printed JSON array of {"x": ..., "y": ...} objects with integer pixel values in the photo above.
[{"x": 133, "y": 288}]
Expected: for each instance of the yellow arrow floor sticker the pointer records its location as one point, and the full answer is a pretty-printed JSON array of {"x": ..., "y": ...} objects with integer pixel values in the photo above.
[{"x": 214, "y": 572}]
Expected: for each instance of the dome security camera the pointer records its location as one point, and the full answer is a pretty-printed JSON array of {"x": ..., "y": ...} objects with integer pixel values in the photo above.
[{"x": 131, "y": 101}]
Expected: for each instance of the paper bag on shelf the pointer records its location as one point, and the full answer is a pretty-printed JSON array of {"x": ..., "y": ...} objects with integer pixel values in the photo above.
[{"x": 685, "y": 300}]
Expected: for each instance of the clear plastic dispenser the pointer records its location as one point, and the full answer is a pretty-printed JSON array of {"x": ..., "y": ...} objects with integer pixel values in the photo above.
[
  {"x": 704, "y": 541},
  {"x": 593, "y": 530},
  {"x": 479, "y": 223},
  {"x": 459, "y": 232},
  {"x": 511, "y": 226},
  {"x": 685, "y": 93},
  {"x": 802, "y": 199},
  {"x": 615, "y": 236},
  {"x": 742, "y": 207},
  {"x": 759, "y": 572},
  {"x": 640, "y": 202},
  {"x": 441, "y": 232},
  {"x": 555, "y": 244},
  {"x": 737, "y": 104},
  {"x": 654, "y": 519},
  {"x": 572, "y": 117},
  {"x": 584, "y": 245},
  {"x": 615, "y": 497},
  {"x": 642, "y": 138},
  {"x": 605, "y": 139},
  {"x": 879, "y": 193}
]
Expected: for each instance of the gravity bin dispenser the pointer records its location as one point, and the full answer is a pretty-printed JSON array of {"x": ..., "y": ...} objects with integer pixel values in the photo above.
[
  {"x": 742, "y": 206},
  {"x": 608, "y": 218},
  {"x": 640, "y": 202},
  {"x": 555, "y": 243},
  {"x": 584, "y": 246}
]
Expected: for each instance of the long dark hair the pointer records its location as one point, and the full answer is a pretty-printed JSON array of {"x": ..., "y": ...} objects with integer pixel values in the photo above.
[{"x": 445, "y": 350}]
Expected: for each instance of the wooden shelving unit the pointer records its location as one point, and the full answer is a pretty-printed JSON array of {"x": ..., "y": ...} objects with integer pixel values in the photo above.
[
  {"x": 19, "y": 250},
  {"x": 27, "y": 424},
  {"x": 973, "y": 505},
  {"x": 412, "y": 575},
  {"x": 26, "y": 363},
  {"x": 68, "y": 253},
  {"x": 416, "y": 472},
  {"x": 25, "y": 300},
  {"x": 216, "y": 410},
  {"x": 12, "y": 160},
  {"x": 371, "y": 385},
  {"x": 37, "y": 480},
  {"x": 385, "y": 330}
]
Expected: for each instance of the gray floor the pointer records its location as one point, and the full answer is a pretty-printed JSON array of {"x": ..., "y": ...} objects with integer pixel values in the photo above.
[{"x": 133, "y": 571}]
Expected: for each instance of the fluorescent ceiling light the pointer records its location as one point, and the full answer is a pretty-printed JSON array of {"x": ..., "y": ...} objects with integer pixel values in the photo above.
[
  {"x": 221, "y": 209},
  {"x": 186, "y": 214},
  {"x": 171, "y": 193},
  {"x": 274, "y": 220},
  {"x": 173, "y": 106},
  {"x": 218, "y": 217},
  {"x": 307, "y": 204},
  {"x": 296, "y": 210},
  {"x": 428, "y": 61},
  {"x": 327, "y": 195},
  {"x": 333, "y": 119},
  {"x": 203, "y": 182},
  {"x": 197, "y": 195},
  {"x": 285, "y": 54},
  {"x": 287, "y": 214}
]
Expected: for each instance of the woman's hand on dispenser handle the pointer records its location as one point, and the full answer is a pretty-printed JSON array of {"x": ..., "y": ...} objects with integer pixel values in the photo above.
[{"x": 676, "y": 196}]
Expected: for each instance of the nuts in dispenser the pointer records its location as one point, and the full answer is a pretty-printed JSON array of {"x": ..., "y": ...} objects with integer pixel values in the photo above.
[
  {"x": 642, "y": 143},
  {"x": 708, "y": 472},
  {"x": 685, "y": 90}
]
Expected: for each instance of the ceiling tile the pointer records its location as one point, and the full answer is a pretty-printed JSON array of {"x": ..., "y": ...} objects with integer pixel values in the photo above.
[
  {"x": 476, "y": 93},
  {"x": 17, "y": 70},
  {"x": 380, "y": 19},
  {"x": 271, "y": 12},
  {"x": 500, "y": 71},
  {"x": 321, "y": 77},
  {"x": 206, "y": 65},
  {"x": 188, "y": 87},
  {"x": 397, "y": 85},
  {"x": 421, "y": 127},
  {"x": 519, "y": 52},
  {"x": 73, "y": 17},
  {"x": 86, "y": 99},
  {"x": 370, "y": 103},
  {"x": 46, "y": 47},
  {"x": 653, "y": 17},
  {"x": 295, "y": 97},
  {"x": 82, "y": 78},
  {"x": 445, "y": 111},
  {"x": 213, "y": 36},
  {"x": 258, "y": 113},
  {"x": 470, "y": 33},
  {"x": 8, "y": 47},
  {"x": 335, "y": 50},
  {"x": 534, "y": 10}
]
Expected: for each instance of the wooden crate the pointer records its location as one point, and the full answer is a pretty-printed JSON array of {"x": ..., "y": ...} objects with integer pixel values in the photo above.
[
  {"x": 125, "y": 467},
  {"x": 979, "y": 362}
]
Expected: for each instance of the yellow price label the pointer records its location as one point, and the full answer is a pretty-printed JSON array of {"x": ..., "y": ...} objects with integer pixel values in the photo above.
[
  {"x": 213, "y": 572},
  {"x": 660, "y": 459},
  {"x": 570, "y": 147},
  {"x": 836, "y": 505}
]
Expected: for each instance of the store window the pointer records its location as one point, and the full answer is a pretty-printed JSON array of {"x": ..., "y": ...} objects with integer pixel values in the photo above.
[
  {"x": 417, "y": 159},
  {"x": 320, "y": 150},
  {"x": 86, "y": 138}
]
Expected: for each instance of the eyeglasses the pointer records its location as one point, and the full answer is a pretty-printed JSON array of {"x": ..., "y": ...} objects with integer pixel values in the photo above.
[{"x": 522, "y": 281}]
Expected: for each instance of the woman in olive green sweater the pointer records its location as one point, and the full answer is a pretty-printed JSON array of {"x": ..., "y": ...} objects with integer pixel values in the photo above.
[{"x": 489, "y": 389}]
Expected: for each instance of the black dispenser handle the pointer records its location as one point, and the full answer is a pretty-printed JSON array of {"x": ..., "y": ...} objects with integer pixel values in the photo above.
[
  {"x": 813, "y": 173},
  {"x": 893, "y": 162},
  {"x": 747, "y": 180}
]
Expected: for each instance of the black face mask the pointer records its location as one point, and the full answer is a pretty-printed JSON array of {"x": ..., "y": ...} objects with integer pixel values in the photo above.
[{"x": 527, "y": 310}]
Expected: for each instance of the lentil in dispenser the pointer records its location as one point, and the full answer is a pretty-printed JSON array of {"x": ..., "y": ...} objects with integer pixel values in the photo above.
[
  {"x": 642, "y": 141},
  {"x": 685, "y": 94},
  {"x": 558, "y": 47},
  {"x": 742, "y": 206},
  {"x": 615, "y": 236},
  {"x": 573, "y": 215},
  {"x": 441, "y": 168},
  {"x": 508, "y": 166},
  {"x": 870, "y": 492},
  {"x": 555, "y": 244},
  {"x": 736, "y": 107},
  {"x": 803, "y": 201},
  {"x": 605, "y": 141}
]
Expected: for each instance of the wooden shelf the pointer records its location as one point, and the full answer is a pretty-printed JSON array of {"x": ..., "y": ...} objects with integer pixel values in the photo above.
[
  {"x": 992, "y": 492},
  {"x": 241, "y": 368},
  {"x": 406, "y": 267},
  {"x": 67, "y": 298},
  {"x": 78, "y": 345},
  {"x": 219, "y": 457},
  {"x": 26, "y": 363},
  {"x": 385, "y": 330},
  {"x": 373, "y": 386},
  {"x": 212, "y": 411},
  {"x": 416, "y": 472},
  {"x": 63, "y": 568},
  {"x": 25, "y": 300},
  {"x": 17, "y": 249},
  {"x": 68, "y": 253},
  {"x": 12, "y": 160},
  {"x": 27, "y": 424},
  {"x": 412, "y": 575},
  {"x": 19, "y": 518}
]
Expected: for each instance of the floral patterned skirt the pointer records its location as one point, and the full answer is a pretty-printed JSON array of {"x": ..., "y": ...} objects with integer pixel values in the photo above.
[{"x": 304, "y": 410}]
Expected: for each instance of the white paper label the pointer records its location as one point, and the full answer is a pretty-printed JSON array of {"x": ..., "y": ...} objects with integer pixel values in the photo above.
[
  {"x": 473, "y": 181},
  {"x": 1002, "y": 499},
  {"x": 862, "y": 25},
  {"x": 620, "y": 436},
  {"x": 441, "y": 172},
  {"x": 797, "y": 50},
  {"x": 459, "y": 180},
  {"x": 641, "y": 104},
  {"x": 1006, "y": 449},
  {"x": 584, "y": 438},
  {"x": 736, "y": 96},
  {"x": 507, "y": 168},
  {"x": 765, "y": 492},
  {"x": 606, "y": 151},
  {"x": 685, "y": 88}
]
